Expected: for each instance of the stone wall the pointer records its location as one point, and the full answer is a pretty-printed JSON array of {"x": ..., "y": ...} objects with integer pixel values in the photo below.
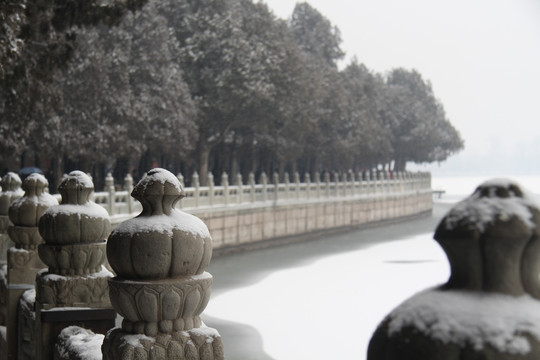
[{"x": 250, "y": 224}]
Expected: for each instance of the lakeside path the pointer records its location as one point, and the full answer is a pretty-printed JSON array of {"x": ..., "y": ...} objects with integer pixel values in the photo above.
[{"x": 322, "y": 298}]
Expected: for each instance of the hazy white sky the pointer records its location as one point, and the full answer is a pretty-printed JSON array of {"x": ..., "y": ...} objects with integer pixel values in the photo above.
[{"x": 482, "y": 58}]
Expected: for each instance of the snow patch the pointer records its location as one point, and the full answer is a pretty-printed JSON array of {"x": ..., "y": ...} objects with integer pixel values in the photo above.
[
  {"x": 477, "y": 212},
  {"x": 177, "y": 220},
  {"x": 473, "y": 318},
  {"x": 89, "y": 209},
  {"x": 162, "y": 176},
  {"x": 84, "y": 343},
  {"x": 210, "y": 333},
  {"x": 135, "y": 340},
  {"x": 103, "y": 273}
]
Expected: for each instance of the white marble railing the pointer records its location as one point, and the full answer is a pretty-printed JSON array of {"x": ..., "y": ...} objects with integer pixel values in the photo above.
[{"x": 269, "y": 193}]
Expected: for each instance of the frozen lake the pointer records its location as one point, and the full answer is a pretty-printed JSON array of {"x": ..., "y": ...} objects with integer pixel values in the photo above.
[{"x": 323, "y": 298}]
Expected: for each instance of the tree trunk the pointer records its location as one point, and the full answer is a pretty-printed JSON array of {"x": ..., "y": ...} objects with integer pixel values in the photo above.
[{"x": 204, "y": 155}]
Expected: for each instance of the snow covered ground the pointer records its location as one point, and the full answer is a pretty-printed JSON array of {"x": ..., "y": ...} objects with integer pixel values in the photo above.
[
  {"x": 323, "y": 299},
  {"x": 329, "y": 308}
]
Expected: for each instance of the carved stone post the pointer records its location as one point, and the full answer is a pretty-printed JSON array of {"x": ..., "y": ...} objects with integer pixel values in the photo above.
[
  {"x": 240, "y": 192},
  {"x": 196, "y": 185},
  {"x": 297, "y": 184},
  {"x": 23, "y": 259},
  {"x": 128, "y": 187},
  {"x": 109, "y": 188},
  {"x": 307, "y": 180},
  {"x": 74, "y": 290},
  {"x": 225, "y": 184},
  {"x": 275, "y": 181},
  {"x": 251, "y": 183},
  {"x": 264, "y": 182},
  {"x": 11, "y": 191},
  {"x": 211, "y": 191},
  {"x": 161, "y": 286},
  {"x": 490, "y": 306}
]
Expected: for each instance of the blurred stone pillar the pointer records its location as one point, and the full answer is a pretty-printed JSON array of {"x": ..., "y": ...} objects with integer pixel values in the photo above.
[
  {"x": 490, "y": 306},
  {"x": 74, "y": 289},
  {"x": 23, "y": 259},
  {"x": 11, "y": 191},
  {"x": 161, "y": 286}
]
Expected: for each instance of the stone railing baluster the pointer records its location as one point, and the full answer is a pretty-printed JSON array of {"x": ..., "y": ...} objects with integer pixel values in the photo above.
[
  {"x": 75, "y": 285},
  {"x": 161, "y": 287}
]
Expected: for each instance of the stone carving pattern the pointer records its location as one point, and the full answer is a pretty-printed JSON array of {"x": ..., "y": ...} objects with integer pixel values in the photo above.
[
  {"x": 77, "y": 291},
  {"x": 152, "y": 308},
  {"x": 74, "y": 249},
  {"x": 75, "y": 231},
  {"x": 188, "y": 345}
]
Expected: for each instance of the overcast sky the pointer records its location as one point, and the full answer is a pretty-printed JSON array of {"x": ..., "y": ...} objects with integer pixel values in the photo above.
[{"x": 482, "y": 58}]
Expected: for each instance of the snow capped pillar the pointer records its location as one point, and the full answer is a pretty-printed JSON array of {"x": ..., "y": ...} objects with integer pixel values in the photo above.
[
  {"x": 490, "y": 306},
  {"x": 196, "y": 185},
  {"x": 307, "y": 180},
  {"x": 276, "y": 186},
  {"x": 240, "y": 191},
  {"x": 264, "y": 182},
  {"x": 23, "y": 260},
  {"x": 180, "y": 178},
  {"x": 251, "y": 183},
  {"x": 327, "y": 183},
  {"x": 297, "y": 184},
  {"x": 287, "y": 185},
  {"x": 318, "y": 184},
  {"x": 11, "y": 191},
  {"x": 225, "y": 184},
  {"x": 211, "y": 191},
  {"x": 109, "y": 188},
  {"x": 73, "y": 290},
  {"x": 128, "y": 187},
  {"x": 161, "y": 287}
]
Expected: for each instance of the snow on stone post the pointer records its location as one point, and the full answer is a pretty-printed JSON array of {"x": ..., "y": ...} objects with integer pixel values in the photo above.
[
  {"x": 327, "y": 183},
  {"x": 109, "y": 188},
  {"x": 263, "y": 180},
  {"x": 180, "y": 178},
  {"x": 287, "y": 185},
  {"x": 23, "y": 260},
  {"x": 11, "y": 191},
  {"x": 74, "y": 289},
  {"x": 225, "y": 184},
  {"x": 276, "y": 186},
  {"x": 490, "y": 306},
  {"x": 251, "y": 183},
  {"x": 161, "y": 287},
  {"x": 307, "y": 180},
  {"x": 318, "y": 184},
  {"x": 211, "y": 191},
  {"x": 240, "y": 191},
  {"x": 296, "y": 177},
  {"x": 196, "y": 185},
  {"x": 128, "y": 187}
]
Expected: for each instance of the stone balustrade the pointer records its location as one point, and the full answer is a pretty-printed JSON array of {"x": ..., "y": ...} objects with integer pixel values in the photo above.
[
  {"x": 119, "y": 203},
  {"x": 251, "y": 212}
]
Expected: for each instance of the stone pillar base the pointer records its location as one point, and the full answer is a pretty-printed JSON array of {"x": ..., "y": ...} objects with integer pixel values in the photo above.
[
  {"x": 202, "y": 343},
  {"x": 90, "y": 290}
]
